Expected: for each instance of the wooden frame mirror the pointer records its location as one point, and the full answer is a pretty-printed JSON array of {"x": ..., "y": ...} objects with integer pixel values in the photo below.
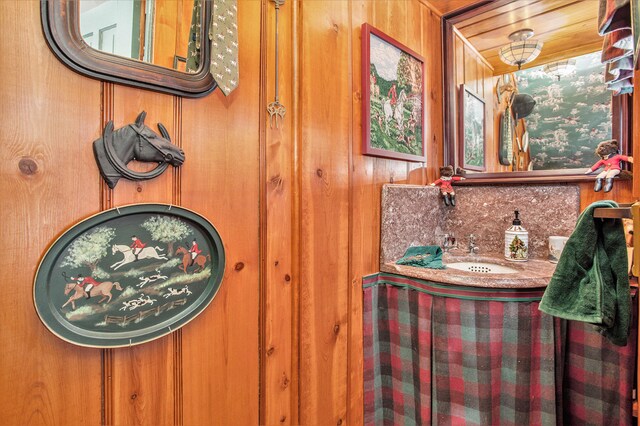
[
  {"x": 60, "y": 23},
  {"x": 487, "y": 74}
]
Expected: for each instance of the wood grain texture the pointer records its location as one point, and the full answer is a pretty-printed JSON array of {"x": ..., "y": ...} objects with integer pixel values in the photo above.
[
  {"x": 171, "y": 31},
  {"x": 143, "y": 375},
  {"x": 472, "y": 70},
  {"x": 448, "y": 6},
  {"x": 324, "y": 231},
  {"x": 420, "y": 30},
  {"x": 278, "y": 183},
  {"x": 221, "y": 138},
  {"x": 37, "y": 203},
  {"x": 621, "y": 193},
  {"x": 282, "y": 341},
  {"x": 562, "y": 25}
]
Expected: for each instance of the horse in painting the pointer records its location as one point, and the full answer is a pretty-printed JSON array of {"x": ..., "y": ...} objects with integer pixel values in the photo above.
[
  {"x": 102, "y": 289},
  {"x": 145, "y": 253},
  {"x": 199, "y": 261}
]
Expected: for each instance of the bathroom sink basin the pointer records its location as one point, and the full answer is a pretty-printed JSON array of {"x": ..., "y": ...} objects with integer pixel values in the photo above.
[{"x": 481, "y": 267}]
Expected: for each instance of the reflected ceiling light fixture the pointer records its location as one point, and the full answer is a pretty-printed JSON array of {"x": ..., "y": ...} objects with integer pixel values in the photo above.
[
  {"x": 521, "y": 50},
  {"x": 560, "y": 68}
]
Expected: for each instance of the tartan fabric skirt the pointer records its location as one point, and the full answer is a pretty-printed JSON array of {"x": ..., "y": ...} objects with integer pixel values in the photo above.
[{"x": 452, "y": 355}]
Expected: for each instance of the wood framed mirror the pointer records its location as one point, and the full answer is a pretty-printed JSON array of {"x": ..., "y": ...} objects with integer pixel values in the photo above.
[
  {"x": 61, "y": 26},
  {"x": 472, "y": 38}
]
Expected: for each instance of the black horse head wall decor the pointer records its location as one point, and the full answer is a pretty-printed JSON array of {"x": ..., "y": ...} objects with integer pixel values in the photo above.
[{"x": 116, "y": 148}]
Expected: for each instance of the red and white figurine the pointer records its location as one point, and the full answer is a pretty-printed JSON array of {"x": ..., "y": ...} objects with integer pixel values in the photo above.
[
  {"x": 445, "y": 181},
  {"x": 611, "y": 160}
]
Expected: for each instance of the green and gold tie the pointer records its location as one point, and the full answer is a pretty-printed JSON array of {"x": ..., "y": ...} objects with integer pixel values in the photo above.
[{"x": 223, "y": 33}]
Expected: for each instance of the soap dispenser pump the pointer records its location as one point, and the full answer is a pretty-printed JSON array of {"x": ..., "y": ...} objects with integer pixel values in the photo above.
[{"x": 516, "y": 241}]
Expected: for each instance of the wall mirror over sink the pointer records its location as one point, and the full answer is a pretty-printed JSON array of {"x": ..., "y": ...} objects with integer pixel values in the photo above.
[
  {"x": 160, "y": 45},
  {"x": 549, "y": 98}
]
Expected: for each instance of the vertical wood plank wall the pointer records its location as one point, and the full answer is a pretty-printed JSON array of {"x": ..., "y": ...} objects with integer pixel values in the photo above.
[
  {"x": 206, "y": 373},
  {"x": 298, "y": 209},
  {"x": 340, "y": 219}
]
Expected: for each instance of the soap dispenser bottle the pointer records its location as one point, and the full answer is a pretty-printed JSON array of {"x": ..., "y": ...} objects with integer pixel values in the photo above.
[{"x": 516, "y": 241}]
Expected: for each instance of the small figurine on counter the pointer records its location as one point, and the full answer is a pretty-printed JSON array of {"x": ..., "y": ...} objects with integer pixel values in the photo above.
[
  {"x": 610, "y": 159},
  {"x": 446, "y": 190}
]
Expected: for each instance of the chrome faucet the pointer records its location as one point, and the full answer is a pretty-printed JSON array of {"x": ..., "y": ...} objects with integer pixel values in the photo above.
[
  {"x": 473, "y": 248},
  {"x": 448, "y": 242}
]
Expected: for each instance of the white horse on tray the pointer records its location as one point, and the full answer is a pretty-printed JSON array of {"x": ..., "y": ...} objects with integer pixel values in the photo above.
[{"x": 145, "y": 253}]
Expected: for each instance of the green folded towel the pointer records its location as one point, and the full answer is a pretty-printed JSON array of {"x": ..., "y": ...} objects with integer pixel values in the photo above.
[
  {"x": 422, "y": 257},
  {"x": 590, "y": 283}
]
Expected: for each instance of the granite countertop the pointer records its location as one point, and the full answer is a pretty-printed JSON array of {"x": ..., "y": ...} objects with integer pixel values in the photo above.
[{"x": 532, "y": 273}]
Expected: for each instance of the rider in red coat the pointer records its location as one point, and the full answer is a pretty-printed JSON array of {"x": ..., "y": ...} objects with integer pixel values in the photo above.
[
  {"x": 445, "y": 181},
  {"x": 392, "y": 94},
  {"x": 88, "y": 281},
  {"x": 137, "y": 246},
  {"x": 194, "y": 251}
]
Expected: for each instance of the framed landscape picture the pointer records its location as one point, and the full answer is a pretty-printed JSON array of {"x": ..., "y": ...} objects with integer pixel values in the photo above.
[
  {"x": 472, "y": 130},
  {"x": 393, "y": 98}
]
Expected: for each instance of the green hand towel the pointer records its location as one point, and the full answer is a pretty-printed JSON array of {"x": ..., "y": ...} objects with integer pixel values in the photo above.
[
  {"x": 422, "y": 257},
  {"x": 590, "y": 283}
]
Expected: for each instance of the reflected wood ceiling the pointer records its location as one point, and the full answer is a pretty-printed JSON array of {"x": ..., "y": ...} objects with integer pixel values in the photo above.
[
  {"x": 448, "y": 6},
  {"x": 567, "y": 28}
]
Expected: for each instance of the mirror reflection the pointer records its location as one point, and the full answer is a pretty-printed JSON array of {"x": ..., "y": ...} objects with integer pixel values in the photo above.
[
  {"x": 166, "y": 33},
  {"x": 567, "y": 118},
  {"x": 551, "y": 93}
]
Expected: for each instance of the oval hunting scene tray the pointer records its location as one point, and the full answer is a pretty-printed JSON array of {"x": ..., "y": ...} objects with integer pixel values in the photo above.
[{"x": 129, "y": 275}]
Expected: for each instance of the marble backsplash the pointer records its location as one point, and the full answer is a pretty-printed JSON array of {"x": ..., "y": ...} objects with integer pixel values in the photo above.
[{"x": 415, "y": 215}]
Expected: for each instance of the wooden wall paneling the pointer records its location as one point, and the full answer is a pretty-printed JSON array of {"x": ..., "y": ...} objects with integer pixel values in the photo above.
[
  {"x": 364, "y": 219},
  {"x": 183, "y": 27},
  {"x": 49, "y": 182},
  {"x": 621, "y": 193},
  {"x": 556, "y": 23},
  {"x": 220, "y": 180},
  {"x": 414, "y": 39},
  {"x": 167, "y": 15},
  {"x": 487, "y": 31},
  {"x": 143, "y": 376},
  {"x": 364, "y": 245},
  {"x": 448, "y": 6},
  {"x": 423, "y": 33},
  {"x": 324, "y": 236},
  {"x": 432, "y": 51},
  {"x": 470, "y": 69},
  {"x": 520, "y": 8},
  {"x": 459, "y": 69},
  {"x": 278, "y": 183}
]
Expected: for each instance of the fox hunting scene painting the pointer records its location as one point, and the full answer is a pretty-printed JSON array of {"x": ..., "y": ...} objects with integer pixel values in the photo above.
[
  {"x": 393, "y": 101},
  {"x": 129, "y": 275}
]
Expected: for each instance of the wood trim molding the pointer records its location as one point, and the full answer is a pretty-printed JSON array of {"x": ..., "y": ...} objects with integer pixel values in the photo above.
[
  {"x": 472, "y": 48},
  {"x": 449, "y": 92}
]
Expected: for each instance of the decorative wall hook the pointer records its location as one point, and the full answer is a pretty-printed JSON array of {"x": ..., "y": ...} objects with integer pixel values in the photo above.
[
  {"x": 115, "y": 149},
  {"x": 275, "y": 109}
]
